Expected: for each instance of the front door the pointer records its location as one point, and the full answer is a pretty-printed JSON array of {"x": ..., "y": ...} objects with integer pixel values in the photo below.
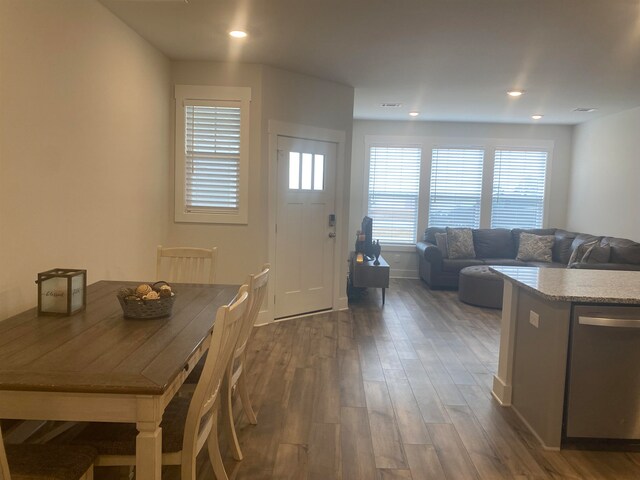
[{"x": 305, "y": 226}]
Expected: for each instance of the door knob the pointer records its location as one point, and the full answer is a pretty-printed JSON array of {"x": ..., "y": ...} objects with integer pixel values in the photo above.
[{"x": 332, "y": 234}]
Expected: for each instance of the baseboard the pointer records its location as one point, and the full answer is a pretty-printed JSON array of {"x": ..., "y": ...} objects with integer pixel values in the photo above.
[
  {"x": 263, "y": 318},
  {"x": 343, "y": 303},
  {"x": 501, "y": 392}
]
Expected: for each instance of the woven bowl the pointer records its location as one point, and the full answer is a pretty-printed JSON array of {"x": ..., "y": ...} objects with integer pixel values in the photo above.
[{"x": 147, "y": 308}]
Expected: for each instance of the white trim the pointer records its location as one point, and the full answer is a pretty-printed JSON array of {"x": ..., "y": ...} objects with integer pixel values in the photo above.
[
  {"x": 275, "y": 129},
  {"x": 199, "y": 93}
]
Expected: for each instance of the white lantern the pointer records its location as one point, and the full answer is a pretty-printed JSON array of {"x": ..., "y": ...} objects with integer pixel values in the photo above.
[{"x": 62, "y": 291}]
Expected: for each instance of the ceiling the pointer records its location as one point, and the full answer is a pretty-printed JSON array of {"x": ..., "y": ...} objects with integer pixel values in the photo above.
[{"x": 451, "y": 60}]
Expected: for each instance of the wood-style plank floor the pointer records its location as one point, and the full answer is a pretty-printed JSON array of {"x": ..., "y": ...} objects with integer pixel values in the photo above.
[{"x": 394, "y": 392}]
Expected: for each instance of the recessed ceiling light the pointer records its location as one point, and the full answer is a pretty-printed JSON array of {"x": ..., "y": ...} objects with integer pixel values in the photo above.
[
  {"x": 237, "y": 34},
  {"x": 414, "y": 114},
  {"x": 537, "y": 117},
  {"x": 515, "y": 93}
]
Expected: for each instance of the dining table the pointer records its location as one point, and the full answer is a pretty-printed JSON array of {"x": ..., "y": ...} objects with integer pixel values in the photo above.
[{"x": 98, "y": 366}]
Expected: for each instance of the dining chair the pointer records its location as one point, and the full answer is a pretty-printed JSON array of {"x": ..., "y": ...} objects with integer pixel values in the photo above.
[
  {"x": 45, "y": 462},
  {"x": 186, "y": 264},
  {"x": 187, "y": 423},
  {"x": 235, "y": 378}
]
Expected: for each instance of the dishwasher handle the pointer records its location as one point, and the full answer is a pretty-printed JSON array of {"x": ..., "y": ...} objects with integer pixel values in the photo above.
[{"x": 609, "y": 322}]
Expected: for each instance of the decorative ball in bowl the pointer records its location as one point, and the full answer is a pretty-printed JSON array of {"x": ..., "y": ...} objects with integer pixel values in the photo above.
[{"x": 147, "y": 301}]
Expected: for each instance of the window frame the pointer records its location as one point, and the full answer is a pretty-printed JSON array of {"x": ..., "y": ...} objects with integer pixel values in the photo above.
[
  {"x": 402, "y": 142},
  {"x": 428, "y": 143},
  {"x": 184, "y": 94}
]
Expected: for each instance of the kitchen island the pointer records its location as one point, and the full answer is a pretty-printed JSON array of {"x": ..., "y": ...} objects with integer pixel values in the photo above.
[{"x": 569, "y": 361}]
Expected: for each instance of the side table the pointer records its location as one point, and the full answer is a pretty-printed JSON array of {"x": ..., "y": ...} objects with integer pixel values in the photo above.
[{"x": 366, "y": 274}]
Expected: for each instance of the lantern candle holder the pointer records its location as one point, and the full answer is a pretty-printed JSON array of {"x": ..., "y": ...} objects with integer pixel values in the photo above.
[{"x": 62, "y": 291}]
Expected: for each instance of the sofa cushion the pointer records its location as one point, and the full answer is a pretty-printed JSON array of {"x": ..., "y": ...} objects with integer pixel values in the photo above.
[
  {"x": 441, "y": 242},
  {"x": 597, "y": 254},
  {"x": 430, "y": 234},
  {"x": 627, "y": 255},
  {"x": 581, "y": 248},
  {"x": 455, "y": 265},
  {"x": 583, "y": 238},
  {"x": 515, "y": 234},
  {"x": 535, "y": 248},
  {"x": 546, "y": 264},
  {"x": 618, "y": 242},
  {"x": 493, "y": 243},
  {"x": 561, "y": 251},
  {"x": 460, "y": 243}
]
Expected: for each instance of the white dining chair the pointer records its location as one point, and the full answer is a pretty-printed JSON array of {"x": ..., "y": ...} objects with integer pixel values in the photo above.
[
  {"x": 45, "y": 462},
  {"x": 235, "y": 379},
  {"x": 188, "y": 423},
  {"x": 186, "y": 264}
]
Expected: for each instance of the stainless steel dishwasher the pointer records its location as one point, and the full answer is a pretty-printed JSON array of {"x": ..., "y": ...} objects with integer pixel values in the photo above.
[{"x": 603, "y": 383}]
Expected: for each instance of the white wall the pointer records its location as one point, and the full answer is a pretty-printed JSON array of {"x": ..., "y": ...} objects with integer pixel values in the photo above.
[
  {"x": 403, "y": 260},
  {"x": 241, "y": 248},
  {"x": 605, "y": 196},
  {"x": 276, "y": 95},
  {"x": 83, "y": 146}
]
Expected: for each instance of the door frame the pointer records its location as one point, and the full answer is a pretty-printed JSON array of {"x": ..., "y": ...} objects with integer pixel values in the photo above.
[{"x": 276, "y": 129}]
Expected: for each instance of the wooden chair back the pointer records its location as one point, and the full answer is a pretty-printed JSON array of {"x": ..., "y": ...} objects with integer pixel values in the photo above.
[
  {"x": 186, "y": 264},
  {"x": 204, "y": 404},
  {"x": 257, "y": 292},
  {"x": 4, "y": 463}
]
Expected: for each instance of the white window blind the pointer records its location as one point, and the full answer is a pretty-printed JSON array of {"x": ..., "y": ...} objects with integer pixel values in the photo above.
[
  {"x": 212, "y": 154},
  {"x": 456, "y": 187},
  {"x": 518, "y": 189},
  {"x": 394, "y": 186},
  {"x": 212, "y": 158}
]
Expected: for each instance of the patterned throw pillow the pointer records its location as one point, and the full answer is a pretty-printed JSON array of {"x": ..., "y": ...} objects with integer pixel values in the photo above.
[
  {"x": 535, "y": 248},
  {"x": 580, "y": 250},
  {"x": 441, "y": 242},
  {"x": 460, "y": 243}
]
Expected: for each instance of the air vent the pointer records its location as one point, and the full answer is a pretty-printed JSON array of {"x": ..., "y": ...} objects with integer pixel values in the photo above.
[
  {"x": 390, "y": 105},
  {"x": 585, "y": 109}
]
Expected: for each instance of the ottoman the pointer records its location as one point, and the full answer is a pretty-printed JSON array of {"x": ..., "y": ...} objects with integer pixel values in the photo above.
[{"x": 480, "y": 286}]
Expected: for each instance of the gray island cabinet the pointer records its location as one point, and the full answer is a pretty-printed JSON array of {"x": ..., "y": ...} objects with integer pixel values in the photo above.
[{"x": 569, "y": 361}]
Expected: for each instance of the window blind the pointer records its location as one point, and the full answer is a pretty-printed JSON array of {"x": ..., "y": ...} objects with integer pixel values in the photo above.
[
  {"x": 212, "y": 158},
  {"x": 518, "y": 189},
  {"x": 394, "y": 186},
  {"x": 456, "y": 187}
]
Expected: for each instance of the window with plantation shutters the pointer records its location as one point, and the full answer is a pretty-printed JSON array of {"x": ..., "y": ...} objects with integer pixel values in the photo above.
[
  {"x": 519, "y": 178},
  {"x": 394, "y": 187},
  {"x": 211, "y": 154},
  {"x": 456, "y": 187}
]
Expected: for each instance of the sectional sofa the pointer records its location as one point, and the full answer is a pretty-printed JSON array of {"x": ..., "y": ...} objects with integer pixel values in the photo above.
[{"x": 498, "y": 246}]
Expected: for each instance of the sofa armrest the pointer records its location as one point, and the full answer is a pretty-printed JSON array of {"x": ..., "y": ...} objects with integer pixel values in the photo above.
[{"x": 429, "y": 252}]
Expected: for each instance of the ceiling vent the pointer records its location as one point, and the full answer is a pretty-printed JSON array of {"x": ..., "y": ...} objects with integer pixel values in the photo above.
[
  {"x": 585, "y": 109},
  {"x": 390, "y": 105}
]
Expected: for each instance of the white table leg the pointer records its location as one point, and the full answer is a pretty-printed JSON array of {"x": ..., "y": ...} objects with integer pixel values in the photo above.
[
  {"x": 148, "y": 451},
  {"x": 502, "y": 380}
]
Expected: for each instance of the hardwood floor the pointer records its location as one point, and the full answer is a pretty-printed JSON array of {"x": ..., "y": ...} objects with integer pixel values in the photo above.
[{"x": 394, "y": 392}]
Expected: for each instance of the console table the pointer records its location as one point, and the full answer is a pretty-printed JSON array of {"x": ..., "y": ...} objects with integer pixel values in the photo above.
[{"x": 366, "y": 274}]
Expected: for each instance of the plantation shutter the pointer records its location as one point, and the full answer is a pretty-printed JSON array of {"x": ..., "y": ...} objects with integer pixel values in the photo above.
[
  {"x": 394, "y": 185},
  {"x": 456, "y": 187},
  {"x": 212, "y": 157},
  {"x": 518, "y": 189}
]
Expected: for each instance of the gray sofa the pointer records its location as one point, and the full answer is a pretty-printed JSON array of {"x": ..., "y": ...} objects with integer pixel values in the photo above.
[{"x": 499, "y": 246}]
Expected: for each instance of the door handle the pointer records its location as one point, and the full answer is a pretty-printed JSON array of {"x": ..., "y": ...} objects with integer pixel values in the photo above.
[
  {"x": 609, "y": 322},
  {"x": 332, "y": 234}
]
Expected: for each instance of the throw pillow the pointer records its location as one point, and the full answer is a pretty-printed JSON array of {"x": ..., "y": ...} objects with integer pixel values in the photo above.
[
  {"x": 596, "y": 254},
  {"x": 535, "y": 248},
  {"x": 580, "y": 250},
  {"x": 460, "y": 243},
  {"x": 441, "y": 242}
]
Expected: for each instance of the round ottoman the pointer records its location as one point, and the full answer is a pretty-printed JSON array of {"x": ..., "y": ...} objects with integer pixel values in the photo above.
[{"x": 480, "y": 286}]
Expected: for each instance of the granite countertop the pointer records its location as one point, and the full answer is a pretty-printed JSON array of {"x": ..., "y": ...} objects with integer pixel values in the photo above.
[{"x": 576, "y": 285}]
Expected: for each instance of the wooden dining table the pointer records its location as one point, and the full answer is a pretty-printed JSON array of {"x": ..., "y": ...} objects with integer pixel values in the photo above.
[{"x": 96, "y": 365}]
